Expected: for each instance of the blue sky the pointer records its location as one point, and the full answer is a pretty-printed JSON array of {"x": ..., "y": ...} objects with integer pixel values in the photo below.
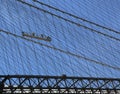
[{"x": 19, "y": 56}]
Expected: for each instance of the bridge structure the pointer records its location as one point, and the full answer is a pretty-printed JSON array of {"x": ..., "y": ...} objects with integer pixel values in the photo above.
[
  {"x": 51, "y": 47},
  {"x": 58, "y": 84}
]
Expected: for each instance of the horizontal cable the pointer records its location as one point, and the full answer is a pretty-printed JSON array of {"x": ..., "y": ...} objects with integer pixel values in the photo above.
[
  {"x": 93, "y": 30},
  {"x": 63, "y": 51},
  {"x": 72, "y": 15}
]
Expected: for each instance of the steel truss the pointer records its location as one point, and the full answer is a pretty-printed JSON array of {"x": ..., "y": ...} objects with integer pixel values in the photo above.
[{"x": 31, "y": 84}]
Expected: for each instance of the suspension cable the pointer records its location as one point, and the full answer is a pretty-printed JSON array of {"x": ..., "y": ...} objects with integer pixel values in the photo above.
[
  {"x": 72, "y": 15},
  {"x": 62, "y": 51},
  {"x": 77, "y": 24}
]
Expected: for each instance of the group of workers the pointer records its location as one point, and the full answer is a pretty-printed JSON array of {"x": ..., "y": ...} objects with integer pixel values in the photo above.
[{"x": 41, "y": 36}]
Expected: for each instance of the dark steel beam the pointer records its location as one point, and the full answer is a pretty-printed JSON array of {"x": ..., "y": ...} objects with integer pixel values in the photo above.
[{"x": 58, "y": 84}]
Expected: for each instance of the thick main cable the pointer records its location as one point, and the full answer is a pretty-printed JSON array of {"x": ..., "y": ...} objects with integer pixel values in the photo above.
[
  {"x": 93, "y": 30},
  {"x": 63, "y": 51},
  {"x": 72, "y": 15}
]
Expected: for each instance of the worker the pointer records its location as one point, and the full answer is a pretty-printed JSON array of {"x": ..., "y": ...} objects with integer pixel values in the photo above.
[
  {"x": 23, "y": 33},
  {"x": 42, "y": 36},
  {"x": 33, "y": 34},
  {"x": 49, "y": 38}
]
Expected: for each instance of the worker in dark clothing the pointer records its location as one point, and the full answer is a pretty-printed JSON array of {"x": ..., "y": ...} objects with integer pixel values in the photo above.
[
  {"x": 33, "y": 34},
  {"x": 49, "y": 38},
  {"x": 23, "y": 33}
]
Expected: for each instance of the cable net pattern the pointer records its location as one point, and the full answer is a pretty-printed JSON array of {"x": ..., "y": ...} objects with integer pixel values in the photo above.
[{"x": 82, "y": 43}]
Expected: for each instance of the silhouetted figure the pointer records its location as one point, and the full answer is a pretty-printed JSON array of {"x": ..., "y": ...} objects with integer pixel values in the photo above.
[
  {"x": 33, "y": 34},
  {"x": 23, "y": 33},
  {"x": 42, "y": 36},
  {"x": 49, "y": 38}
]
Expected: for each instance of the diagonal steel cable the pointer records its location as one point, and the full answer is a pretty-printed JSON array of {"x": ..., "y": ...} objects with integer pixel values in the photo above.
[
  {"x": 63, "y": 51},
  {"x": 72, "y": 15},
  {"x": 70, "y": 21}
]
